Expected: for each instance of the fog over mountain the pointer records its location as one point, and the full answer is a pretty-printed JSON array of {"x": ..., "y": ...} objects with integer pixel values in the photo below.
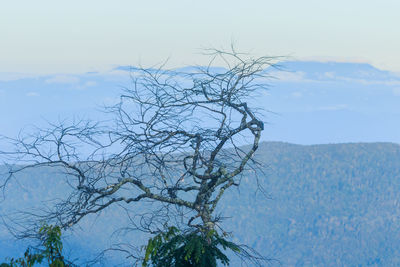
[
  {"x": 309, "y": 102},
  {"x": 322, "y": 205}
]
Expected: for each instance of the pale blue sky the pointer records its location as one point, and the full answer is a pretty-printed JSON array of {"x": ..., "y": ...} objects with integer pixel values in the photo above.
[{"x": 47, "y": 36}]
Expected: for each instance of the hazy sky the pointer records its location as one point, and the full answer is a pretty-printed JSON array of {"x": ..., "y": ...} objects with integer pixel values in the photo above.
[{"x": 47, "y": 36}]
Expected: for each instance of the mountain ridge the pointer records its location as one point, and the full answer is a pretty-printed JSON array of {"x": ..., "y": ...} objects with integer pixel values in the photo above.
[{"x": 311, "y": 204}]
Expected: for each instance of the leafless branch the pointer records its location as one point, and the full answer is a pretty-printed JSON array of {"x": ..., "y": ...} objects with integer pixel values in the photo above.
[{"x": 177, "y": 140}]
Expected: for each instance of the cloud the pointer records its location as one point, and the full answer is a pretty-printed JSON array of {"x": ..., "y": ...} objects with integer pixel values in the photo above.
[
  {"x": 332, "y": 108},
  {"x": 369, "y": 82},
  {"x": 287, "y": 76},
  {"x": 396, "y": 91},
  {"x": 330, "y": 74},
  {"x": 90, "y": 83},
  {"x": 62, "y": 79},
  {"x": 86, "y": 85},
  {"x": 7, "y": 76},
  {"x": 350, "y": 72},
  {"x": 117, "y": 76},
  {"x": 328, "y": 59},
  {"x": 32, "y": 94},
  {"x": 296, "y": 94}
]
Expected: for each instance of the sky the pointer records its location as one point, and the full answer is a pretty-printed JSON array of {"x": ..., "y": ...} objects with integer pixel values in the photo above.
[{"x": 51, "y": 36}]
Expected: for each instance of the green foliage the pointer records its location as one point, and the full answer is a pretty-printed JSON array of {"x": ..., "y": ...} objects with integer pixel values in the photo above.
[
  {"x": 28, "y": 260},
  {"x": 175, "y": 248},
  {"x": 51, "y": 240},
  {"x": 52, "y": 252}
]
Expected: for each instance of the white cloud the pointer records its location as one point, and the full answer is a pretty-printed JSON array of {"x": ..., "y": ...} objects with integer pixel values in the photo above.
[
  {"x": 63, "y": 79},
  {"x": 287, "y": 76},
  {"x": 6, "y": 76},
  {"x": 369, "y": 82},
  {"x": 90, "y": 83},
  {"x": 396, "y": 91},
  {"x": 328, "y": 59},
  {"x": 31, "y": 94},
  {"x": 86, "y": 85},
  {"x": 329, "y": 74},
  {"x": 332, "y": 108},
  {"x": 296, "y": 94}
]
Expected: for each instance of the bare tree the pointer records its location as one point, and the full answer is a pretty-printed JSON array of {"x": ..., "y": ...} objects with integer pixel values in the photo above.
[{"x": 177, "y": 139}]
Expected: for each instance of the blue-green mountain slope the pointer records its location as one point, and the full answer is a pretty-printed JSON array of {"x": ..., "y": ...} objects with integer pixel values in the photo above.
[{"x": 322, "y": 205}]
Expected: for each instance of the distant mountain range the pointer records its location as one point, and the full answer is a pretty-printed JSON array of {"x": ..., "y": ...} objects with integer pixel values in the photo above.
[
  {"x": 322, "y": 205},
  {"x": 308, "y": 102}
]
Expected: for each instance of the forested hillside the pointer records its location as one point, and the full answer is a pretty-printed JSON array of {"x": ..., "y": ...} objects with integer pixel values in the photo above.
[
  {"x": 329, "y": 205},
  {"x": 322, "y": 205}
]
